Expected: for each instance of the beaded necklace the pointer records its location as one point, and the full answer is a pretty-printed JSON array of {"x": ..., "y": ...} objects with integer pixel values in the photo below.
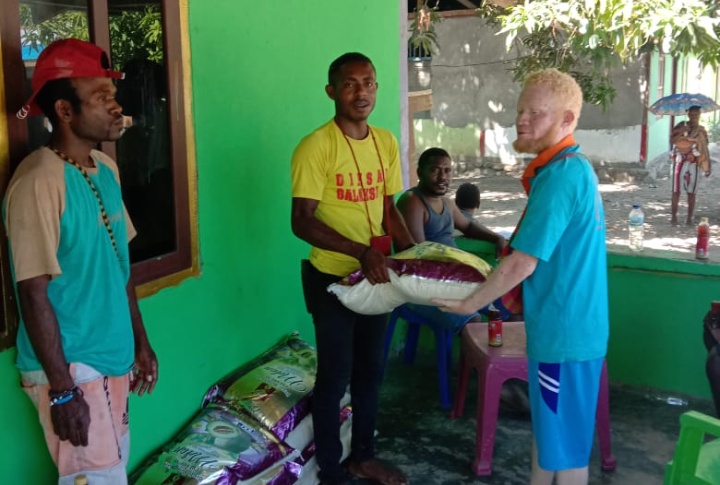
[{"x": 103, "y": 212}]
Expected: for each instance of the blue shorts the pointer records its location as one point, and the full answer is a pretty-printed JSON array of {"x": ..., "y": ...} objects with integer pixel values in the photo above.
[
  {"x": 446, "y": 321},
  {"x": 563, "y": 401}
]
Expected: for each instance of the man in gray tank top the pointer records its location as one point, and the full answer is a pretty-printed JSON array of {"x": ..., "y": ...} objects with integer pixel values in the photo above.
[{"x": 429, "y": 215}]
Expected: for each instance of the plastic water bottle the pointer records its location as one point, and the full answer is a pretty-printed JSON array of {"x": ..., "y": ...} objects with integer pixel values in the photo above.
[{"x": 636, "y": 221}]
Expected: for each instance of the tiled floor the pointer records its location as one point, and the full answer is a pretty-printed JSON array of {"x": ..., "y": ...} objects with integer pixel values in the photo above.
[{"x": 421, "y": 439}]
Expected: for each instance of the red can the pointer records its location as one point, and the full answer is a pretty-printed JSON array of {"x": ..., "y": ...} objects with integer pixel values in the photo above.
[
  {"x": 703, "y": 239},
  {"x": 494, "y": 329}
]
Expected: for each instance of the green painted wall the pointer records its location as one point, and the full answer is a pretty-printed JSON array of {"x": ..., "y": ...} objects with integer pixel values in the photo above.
[
  {"x": 259, "y": 70},
  {"x": 459, "y": 142},
  {"x": 656, "y": 312}
]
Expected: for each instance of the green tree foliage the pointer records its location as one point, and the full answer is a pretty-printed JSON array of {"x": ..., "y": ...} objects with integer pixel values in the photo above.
[
  {"x": 39, "y": 33},
  {"x": 585, "y": 38},
  {"x": 133, "y": 33},
  {"x": 422, "y": 27},
  {"x": 136, "y": 35}
]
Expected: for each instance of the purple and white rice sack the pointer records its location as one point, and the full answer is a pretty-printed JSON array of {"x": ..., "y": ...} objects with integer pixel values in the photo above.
[
  {"x": 219, "y": 447},
  {"x": 274, "y": 388},
  {"x": 428, "y": 270},
  {"x": 153, "y": 472},
  {"x": 284, "y": 473},
  {"x": 307, "y": 455}
]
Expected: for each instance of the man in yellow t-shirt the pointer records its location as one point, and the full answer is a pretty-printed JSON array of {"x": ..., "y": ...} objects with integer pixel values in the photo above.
[{"x": 344, "y": 175}]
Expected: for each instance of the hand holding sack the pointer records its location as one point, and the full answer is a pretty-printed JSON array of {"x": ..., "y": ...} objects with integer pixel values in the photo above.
[{"x": 425, "y": 271}]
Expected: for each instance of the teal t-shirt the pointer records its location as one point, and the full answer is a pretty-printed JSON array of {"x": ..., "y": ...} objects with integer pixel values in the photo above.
[
  {"x": 89, "y": 296},
  {"x": 565, "y": 300}
]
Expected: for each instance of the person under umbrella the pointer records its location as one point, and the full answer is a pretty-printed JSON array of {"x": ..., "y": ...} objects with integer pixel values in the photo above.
[
  {"x": 689, "y": 141},
  {"x": 689, "y": 157}
]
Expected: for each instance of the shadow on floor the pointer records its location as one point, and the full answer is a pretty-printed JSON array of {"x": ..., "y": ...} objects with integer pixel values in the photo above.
[{"x": 419, "y": 437}]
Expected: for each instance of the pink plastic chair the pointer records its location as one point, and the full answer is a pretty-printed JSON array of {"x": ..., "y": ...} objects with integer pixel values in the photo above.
[{"x": 494, "y": 366}]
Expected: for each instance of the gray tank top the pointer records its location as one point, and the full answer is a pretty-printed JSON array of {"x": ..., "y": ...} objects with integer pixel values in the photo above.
[{"x": 439, "y": 227}]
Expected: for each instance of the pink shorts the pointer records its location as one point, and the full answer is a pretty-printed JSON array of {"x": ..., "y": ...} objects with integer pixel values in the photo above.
[{"x": 105, "y": 458}]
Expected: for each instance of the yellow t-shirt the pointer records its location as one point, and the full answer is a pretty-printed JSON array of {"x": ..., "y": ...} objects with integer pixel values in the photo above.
[{"x": 350, "y": 196}]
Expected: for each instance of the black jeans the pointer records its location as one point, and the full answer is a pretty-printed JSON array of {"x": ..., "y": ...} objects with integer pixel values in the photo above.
[{"x": 350, "y": 349}]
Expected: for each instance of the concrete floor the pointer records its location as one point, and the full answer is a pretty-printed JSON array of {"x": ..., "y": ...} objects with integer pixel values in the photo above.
[{"x": 419, "y": 437}]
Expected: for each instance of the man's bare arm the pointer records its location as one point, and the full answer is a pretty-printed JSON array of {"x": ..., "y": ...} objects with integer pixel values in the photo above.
[
  {"x": 472, "y": 229},
  {"x": 475, "y": 230},
  {"x": 413, "y": 213},
  {"x": 71, "y": 420},
  {"x": 146, "y": 371},
  {"x": 44, "y": 332},
  {"x": 397, "y": 227},
  {"x": 509, "y": 273},
  {"x": 315, "y": 232},
  {"x": 311, "y": 230}
]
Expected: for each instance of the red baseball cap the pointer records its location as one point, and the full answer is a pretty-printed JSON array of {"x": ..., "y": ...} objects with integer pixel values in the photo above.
[{"x": 67, "y": 58}]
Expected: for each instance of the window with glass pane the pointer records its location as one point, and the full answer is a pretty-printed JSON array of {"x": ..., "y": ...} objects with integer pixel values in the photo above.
[{"x": 143, "y": 152}]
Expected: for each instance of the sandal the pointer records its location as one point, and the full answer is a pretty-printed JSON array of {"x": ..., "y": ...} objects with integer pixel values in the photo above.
[{"x": 377, "y": 471}]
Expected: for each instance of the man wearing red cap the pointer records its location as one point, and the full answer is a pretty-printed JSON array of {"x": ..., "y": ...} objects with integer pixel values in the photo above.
[{"x": 81, "y": 333}]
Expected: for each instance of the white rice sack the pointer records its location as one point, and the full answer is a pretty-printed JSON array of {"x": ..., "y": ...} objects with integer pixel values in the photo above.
[
  {"x": 367, "y": 299},
  {"x": 310, "y": 467},
  {"x": 302, "y": 436},
  {"x": 284, "y": 473},
  {"x": 444, "y": 272},
  {"x": 421, "y": 290}
]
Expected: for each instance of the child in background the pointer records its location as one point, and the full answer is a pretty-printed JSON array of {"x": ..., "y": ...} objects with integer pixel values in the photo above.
[{"x": 467, "y": 199}]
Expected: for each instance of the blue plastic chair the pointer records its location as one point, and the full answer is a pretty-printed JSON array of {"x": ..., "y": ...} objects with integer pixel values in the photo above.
[{"x": 443, "y": 346}]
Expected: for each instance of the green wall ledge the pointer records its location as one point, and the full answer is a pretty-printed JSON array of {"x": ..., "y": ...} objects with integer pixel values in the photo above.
[
  {"x": 621, "y": 258},
  {"x": 661, "y": 261}
]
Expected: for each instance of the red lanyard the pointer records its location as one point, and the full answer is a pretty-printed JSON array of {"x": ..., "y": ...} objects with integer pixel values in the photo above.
[{"x": 362, "y": 186}]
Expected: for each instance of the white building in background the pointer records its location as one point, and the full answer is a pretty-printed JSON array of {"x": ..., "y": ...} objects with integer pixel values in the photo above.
[{"x": 474, "y": 96}]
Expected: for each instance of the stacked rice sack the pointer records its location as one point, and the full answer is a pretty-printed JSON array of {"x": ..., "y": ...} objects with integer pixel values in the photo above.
[
  {"x": 254, "y": 428},
  {"x": 219, "y": 446},
  {"x": 274, "y": 388},
  {"x": 310, "y": 467},
  {"x": 425, "y": 271}
]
